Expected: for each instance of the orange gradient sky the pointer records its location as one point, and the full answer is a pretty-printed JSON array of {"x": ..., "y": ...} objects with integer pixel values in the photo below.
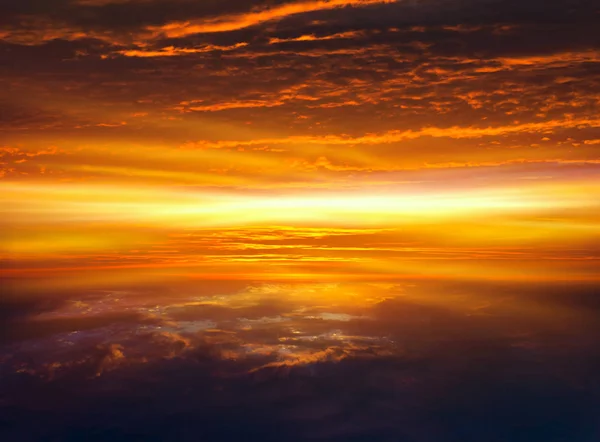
[{"x": 317, "y": 140}]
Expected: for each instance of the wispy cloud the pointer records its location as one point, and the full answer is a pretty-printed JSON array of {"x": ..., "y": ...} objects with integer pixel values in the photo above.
[
  {"x": 454, "y": 132},
  {"x": 245, "y": 20}
]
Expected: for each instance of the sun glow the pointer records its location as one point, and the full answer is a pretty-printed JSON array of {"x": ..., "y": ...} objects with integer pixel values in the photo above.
[{"x": 107, "y": 232}]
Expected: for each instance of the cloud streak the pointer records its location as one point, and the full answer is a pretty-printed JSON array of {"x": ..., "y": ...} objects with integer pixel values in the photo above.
[
  {"x": 455, "y": 132},
  {"x": 245, "y": 20}
]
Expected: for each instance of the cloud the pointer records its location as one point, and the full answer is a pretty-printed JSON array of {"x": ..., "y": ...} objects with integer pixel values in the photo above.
[
  {"x": 455, "y": 132},
  {"x": 32, "y": 328},
  {"x": 231, "y": 23},
  {"x": 471, "y": 350},
  {"x": 172, "y": 51}
]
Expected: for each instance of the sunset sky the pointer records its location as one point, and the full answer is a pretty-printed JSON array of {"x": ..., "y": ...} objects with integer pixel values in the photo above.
[{"x": 194, "y": 170}]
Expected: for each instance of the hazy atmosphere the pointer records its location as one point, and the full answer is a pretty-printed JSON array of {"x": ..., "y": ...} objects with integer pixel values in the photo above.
[{"x": 340, "y": 220}]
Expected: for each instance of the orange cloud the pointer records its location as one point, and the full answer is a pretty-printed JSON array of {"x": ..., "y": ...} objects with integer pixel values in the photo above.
[
  {"x": 558, "y": 59},
  {"x": 311, "y": 37},
  {"x": 240, "y": 21},
  {"x": 395, "y": 136},
  {"x": 172, "y": 51}
]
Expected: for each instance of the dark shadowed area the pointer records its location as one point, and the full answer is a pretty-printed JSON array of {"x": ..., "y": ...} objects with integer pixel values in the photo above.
[{"x": 416, "y": 362}]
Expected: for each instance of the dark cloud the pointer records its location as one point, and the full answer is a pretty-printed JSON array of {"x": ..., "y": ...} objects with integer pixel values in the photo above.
[
  {"x": 14, "y": 307},
  {"x": 118, "y": 14},
  {"x": 404, "y": 62},
  {"x": 132, "y": 14},
  {"x": 442, "y": 373},
  {"x": 39, "y": 328}
]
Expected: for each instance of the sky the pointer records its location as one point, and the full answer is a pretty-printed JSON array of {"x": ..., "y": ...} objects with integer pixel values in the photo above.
[{"x": 322, "y": 214}]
